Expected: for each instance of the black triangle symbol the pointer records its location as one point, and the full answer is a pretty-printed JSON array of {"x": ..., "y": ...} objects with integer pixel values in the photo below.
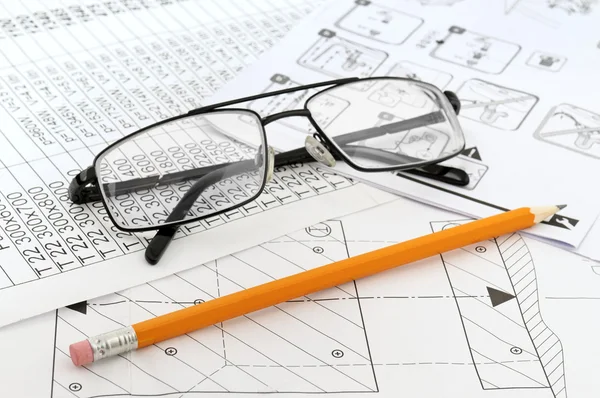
[
  {"x": 498, "y": 297},
  {"x": 79, "y": 307},
  {"x": 472, "y": 152}
]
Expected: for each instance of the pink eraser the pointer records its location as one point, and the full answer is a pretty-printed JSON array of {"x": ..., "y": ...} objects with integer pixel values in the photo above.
[{"x": 81, "y": 353}]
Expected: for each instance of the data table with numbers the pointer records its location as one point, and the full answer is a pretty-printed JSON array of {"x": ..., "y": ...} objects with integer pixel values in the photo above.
[{"x": 77, "y": 76}]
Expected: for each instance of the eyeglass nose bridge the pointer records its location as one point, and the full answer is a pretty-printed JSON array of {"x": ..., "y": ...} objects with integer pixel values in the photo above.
[
  {"x": 316, "y": 148},
  {"x": 293, "y": 113}
]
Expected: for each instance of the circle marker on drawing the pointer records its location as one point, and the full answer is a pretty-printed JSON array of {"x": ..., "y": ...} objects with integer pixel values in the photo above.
[
  {"x": 516, "y": 350},
  {"x": 171, "y": 351},
  {"x": 75, "y": 387},
  {"x": 320, "y": 230},
  {"x": 337, "y": 353}
]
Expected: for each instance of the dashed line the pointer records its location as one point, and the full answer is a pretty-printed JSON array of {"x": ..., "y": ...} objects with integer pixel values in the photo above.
[
  {"x": 219, "y": 294},
  {"x": 142, "y": 301},
  {"x": 386, "y": 364},
  {"x": 330, "y": 240},
  {"x": 385, "y": 297},
  {"x": 306, "y": 300}
]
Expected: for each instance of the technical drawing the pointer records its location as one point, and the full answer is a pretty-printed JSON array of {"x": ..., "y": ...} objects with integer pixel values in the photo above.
[
  {"x": 546, "y": 61},
  {"x": 495, "y": 289},
  {"x": 379, "y": 23},
  {"x": 338, "y": 57},
  {"x": 572, "y": 6},
  {"x": 475, "y": 51},
  {"x": 319, "y": 343},
  {"x": 550, "y": 12},
  {"x": 280, "y": 349},
  {"x": 572, "y": 128},
  {"x": 283, "y": 102},
  {"x": 568, "y": 7},
  {"x": 423, "y": 143},
  {"x": 439, "y": 2},
  {"x": 422, "y": 73},
  {"x": 495, "y": 105}
]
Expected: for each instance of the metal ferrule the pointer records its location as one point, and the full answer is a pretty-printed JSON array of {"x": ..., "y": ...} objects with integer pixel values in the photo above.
[{"x": 113, "y": 343}]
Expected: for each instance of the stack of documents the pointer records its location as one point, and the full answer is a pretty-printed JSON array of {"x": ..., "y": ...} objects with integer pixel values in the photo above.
[{"x": 510, "y": 315}]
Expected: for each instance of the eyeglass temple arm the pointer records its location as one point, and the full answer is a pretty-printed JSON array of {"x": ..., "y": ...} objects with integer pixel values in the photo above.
[
  {"x": 83, "y": 187},
  {"x": 164, "y": 235}
]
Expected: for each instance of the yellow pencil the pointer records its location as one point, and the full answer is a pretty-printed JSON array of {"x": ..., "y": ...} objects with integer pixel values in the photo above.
[{"x": 186, "y": 320}]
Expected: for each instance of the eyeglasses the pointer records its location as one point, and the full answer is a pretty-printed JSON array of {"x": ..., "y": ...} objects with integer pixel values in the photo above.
[{"x": 216, "y": 158}]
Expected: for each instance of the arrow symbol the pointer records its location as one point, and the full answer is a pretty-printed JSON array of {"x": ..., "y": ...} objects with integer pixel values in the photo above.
[
  {"x": 472, "y": 152},
  {"x": 498, "y": 297},
  {"x": 79, "y": 307}
]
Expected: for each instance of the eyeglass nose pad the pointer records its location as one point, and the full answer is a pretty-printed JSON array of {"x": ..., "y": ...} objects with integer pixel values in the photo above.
[
  {"x": 270, "y": 162},
  {"x": 318, "y": 151}
]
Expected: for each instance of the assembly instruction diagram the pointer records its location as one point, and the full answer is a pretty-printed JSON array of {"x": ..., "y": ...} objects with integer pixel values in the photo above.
[
  {"x": 546, "y": 61},
  {"x": 494, "y": 105},
  {"x": 475, "y": 50},
  {"x": 492, "y": 69},
  {"x": 572, "y": 128},
  {"x": 478, "y": 63},
  {"x": 438, "y": 2},
  {"x": 550, "y": 13},
  {"x": 338, "y": 57},
  {"x": 379, "y": 23}
]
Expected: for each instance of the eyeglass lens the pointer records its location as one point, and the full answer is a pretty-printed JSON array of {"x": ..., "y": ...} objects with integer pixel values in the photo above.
[
  {"x": 385, "y": 123},
  {"x": 191, "y": 167}
]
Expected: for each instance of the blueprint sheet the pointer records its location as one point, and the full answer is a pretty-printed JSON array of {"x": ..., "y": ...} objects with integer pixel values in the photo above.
[
  {"x": 525, "y": 71},
  {"x": 76, "y": 76},
  {"x": 507, "y": 318}
]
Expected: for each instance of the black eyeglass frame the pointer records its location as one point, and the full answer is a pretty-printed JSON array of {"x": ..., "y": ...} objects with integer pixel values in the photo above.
[
  {"x": 84, "y": 186},
  {"x": 450, "y": 96}
]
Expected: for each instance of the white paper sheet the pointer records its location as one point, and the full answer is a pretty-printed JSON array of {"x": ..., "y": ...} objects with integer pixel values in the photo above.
[
  {"x": 76, "y": 76},
  {"x": 526, "y": 76},
  {"x": 511, "y": 317}
]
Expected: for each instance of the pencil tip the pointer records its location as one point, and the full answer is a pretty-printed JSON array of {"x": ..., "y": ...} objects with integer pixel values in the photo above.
[{"x": 543, "y": 212}]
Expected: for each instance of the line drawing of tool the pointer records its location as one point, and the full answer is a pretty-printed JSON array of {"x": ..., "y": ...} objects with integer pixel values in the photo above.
[
  {"x": 477, "y": 104},
  {"x": 475, "y": 50},
  {"x": 500, "y": 107},
  {"x": 564, "y": 222},
  {"x": 491, "y": 114},
  {"x": 584, "y": 140},
  {"x": 379, "y": 23},
  {"x": 573, "y": 128},
  {"x": 339, "y": 57},
  {"x": 549, "y": 12}
]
